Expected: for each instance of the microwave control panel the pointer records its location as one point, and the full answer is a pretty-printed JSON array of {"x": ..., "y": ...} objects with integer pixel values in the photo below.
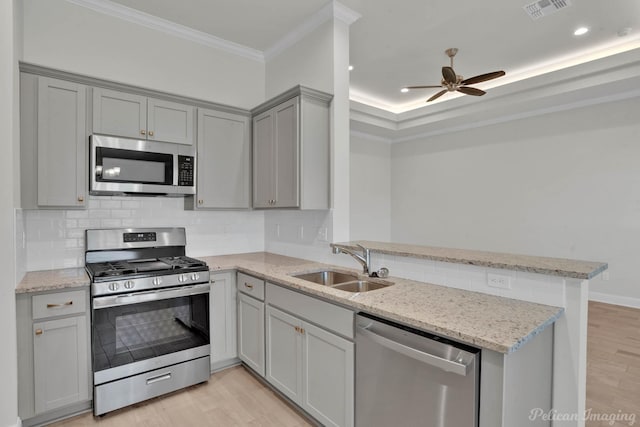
[{"x": 185, "y": 171}]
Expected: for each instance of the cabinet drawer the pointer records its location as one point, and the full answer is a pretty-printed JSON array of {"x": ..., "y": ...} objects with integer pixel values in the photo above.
[
  {"x": 327, "y": 315},
  {"x": 58, "y": 304},
  {"x": 251, "y": 286}
]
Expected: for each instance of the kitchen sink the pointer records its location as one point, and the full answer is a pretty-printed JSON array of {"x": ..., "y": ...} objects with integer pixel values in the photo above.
[
  {"x": 343, "y": 281},
  {"x": 362, "y": 286},
  {"x": 327, "y": 277}
]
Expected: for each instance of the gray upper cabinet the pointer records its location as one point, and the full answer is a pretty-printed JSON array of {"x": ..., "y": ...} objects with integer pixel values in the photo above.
[
  {"x": 291, "y": 144},
  {"x": 224, "y": 161},
  {"x": 53, "y": 143},
  {"x": 134, "y": 116}
]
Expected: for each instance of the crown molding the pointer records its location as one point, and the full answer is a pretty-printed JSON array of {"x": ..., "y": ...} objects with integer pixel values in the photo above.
[
  {"x": 369, "y": 137},
  {"x": 332, "y": 10},
  {"x": 116, "y": 10}
]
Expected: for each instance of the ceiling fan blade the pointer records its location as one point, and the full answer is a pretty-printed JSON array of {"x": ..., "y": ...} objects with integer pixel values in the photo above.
[
  {"x": 437, "y": 95},
  {"x": 449, "y": 75},
  {"x": 483, "y": 78},
  {"x": 422, "y": 87},
  {"x": 471, "y": 91}
]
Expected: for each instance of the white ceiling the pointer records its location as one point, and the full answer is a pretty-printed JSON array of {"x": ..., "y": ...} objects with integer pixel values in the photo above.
[{"x": 399, "y": 43}]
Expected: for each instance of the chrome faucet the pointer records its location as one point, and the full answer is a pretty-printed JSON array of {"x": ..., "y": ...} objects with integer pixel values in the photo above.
[{"x": 364, "y": 258}]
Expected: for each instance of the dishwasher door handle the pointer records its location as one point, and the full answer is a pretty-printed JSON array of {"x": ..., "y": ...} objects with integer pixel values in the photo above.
[{"x": 430, "y": 359}]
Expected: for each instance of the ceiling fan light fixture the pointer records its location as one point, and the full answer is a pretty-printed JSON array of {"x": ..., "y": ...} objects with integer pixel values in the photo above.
[{"x": 581, "y": 31}]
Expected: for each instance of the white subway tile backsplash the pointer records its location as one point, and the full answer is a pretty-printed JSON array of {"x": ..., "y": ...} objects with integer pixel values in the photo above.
[{"x": 55, "y": 239}]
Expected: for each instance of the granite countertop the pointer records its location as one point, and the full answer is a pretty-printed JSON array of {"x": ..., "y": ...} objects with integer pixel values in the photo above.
[
  {"x": 561, "y": 267},
  {"x": 487, "y": 321},
  {"x": 47, "y": 280}
]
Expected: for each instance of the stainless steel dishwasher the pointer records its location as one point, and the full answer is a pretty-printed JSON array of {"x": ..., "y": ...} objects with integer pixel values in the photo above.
[{"x": 406, "y": 377}]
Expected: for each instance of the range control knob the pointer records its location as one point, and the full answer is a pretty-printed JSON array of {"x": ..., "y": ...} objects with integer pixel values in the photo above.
[
  {"x": 129, "y": 284},
  {"x": 114, "y": 286},
  {"x": 182, "y": 278},
  {"x": 157, "y": 281},
  {"x": 195, "y": 276}
]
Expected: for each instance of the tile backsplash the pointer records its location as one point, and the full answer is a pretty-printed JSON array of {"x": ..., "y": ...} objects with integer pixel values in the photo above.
[{"x": 55, "y": 238}]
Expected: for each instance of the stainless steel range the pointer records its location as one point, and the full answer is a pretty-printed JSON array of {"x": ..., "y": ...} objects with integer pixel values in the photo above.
[{"x": 150, "y": 315}]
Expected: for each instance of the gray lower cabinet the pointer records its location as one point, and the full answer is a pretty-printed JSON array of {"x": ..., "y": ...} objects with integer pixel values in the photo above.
[
  {"x": 224, "y": 161},
  {"x": 311, "y": 365},
  {"x": 135, "y": 116},
  {"x": 291, "y": 144},
  {"x": 251, "y": 322},
  {"x": 54, "y": 140},
  {"x": 54, "y": 372},
  {"x": 222, "y": 315}
]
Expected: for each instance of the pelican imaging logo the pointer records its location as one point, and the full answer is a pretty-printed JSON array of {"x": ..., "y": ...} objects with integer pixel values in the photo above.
[{"x": 589, "y": 415}]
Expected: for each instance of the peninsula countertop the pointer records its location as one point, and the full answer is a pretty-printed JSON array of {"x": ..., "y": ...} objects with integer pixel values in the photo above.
[{"x": 487, "y": 321}]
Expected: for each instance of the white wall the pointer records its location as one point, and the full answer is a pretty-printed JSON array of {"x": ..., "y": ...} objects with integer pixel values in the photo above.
[
  {"x": 563, "y": 185},
  {"x": 65, "y": 36},
  {"x": 55, "y": 238},
  {"x": 10, "y": 36},
  {"x": 370, "y": 180}
]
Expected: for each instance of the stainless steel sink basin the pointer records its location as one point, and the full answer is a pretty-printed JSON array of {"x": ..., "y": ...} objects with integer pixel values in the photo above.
[
  {"x": 327, "y": 278},
  {"x": 361, "y": 286}
]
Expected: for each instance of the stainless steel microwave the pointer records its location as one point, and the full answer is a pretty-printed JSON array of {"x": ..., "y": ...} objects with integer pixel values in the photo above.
[{"x": 120, "y": 166}]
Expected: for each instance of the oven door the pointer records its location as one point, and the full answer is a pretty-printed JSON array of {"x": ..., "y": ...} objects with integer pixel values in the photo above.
[{"x": 138, "y": 332}]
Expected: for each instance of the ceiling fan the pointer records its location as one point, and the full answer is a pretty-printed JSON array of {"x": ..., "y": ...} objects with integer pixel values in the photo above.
[{"x": 452, "y": 82}]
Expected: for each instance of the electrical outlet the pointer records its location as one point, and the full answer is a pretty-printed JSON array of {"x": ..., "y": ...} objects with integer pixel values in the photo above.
[
  {"x": 322, "y": 234},
  {"x": 301, "y": 232},
  {"x": 498, "y": 281},
  {"x": 277, "y": 231}
]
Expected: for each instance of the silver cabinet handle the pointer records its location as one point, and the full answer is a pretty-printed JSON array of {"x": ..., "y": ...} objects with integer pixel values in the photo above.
[{"x": 430, "y": 359}]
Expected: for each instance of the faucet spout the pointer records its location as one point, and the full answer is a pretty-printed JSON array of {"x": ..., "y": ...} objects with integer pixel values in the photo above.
[{"x": 363, "y": 258}]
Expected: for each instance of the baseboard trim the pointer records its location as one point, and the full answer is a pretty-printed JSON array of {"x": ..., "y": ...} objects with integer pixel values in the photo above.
[{"x": 614, "y": 299}]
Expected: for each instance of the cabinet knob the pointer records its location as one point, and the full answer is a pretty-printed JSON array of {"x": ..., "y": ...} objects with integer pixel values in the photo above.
[
  {"x": 38, "y": 331},
  {"x": 143, "y": 132},
  {"x": 200, "y": 202},
  {"x": 80, "y": 199},
  {"x": 150, "y": 133}
]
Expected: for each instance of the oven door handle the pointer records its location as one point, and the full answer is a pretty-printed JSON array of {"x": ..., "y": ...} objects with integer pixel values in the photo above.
[{"x": 146, "y": 296}]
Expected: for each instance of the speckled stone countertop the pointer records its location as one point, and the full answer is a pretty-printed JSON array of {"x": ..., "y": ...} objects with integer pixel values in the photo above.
[
  {"x": 561, "y": 267},
  {"x": 47, "y": 280},
  {"x": 487, "y": 321}
]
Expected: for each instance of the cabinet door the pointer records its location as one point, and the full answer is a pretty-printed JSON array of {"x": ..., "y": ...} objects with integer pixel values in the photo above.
[
  {"x": 251, "y": 332},
  {"x": 284, "y": 353},
  {"x": 119, "y": 113},
  {"x": 61, "y": 143},
  {"x": 170, "y": 122},
  {"x": 328, "y": 377},
  {"x": 60, "y": 363},
  {"x": 222, "y": 309},
  {"x": 287, "y": 154},
  {"x": 263, "y": 160},
  {"x": 224, "y": 167}
]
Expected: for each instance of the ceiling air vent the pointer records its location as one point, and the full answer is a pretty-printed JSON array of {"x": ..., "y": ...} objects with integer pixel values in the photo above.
[{"x": 541, "y": 8}]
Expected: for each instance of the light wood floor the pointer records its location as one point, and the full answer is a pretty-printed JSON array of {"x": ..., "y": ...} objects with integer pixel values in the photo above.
[
  {"x": 235, "y": 398},
  {"x": 231, "y": 398},
  {"x": 613, "y": 363}
]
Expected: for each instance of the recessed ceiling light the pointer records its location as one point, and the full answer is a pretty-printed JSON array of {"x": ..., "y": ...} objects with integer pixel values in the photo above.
[
  {"x": 350, "y": 67},
  {"x": 580, "y": 31},
  {"x": 404, "y": 90}
]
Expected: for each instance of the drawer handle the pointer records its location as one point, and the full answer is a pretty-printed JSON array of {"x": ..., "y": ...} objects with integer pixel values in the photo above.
[
  {"x": 38, "y": 331},
  {"x": 162, "y": 377},
  {"x": 248, "y": 285},
  {"x": 59, "y": 305}
]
